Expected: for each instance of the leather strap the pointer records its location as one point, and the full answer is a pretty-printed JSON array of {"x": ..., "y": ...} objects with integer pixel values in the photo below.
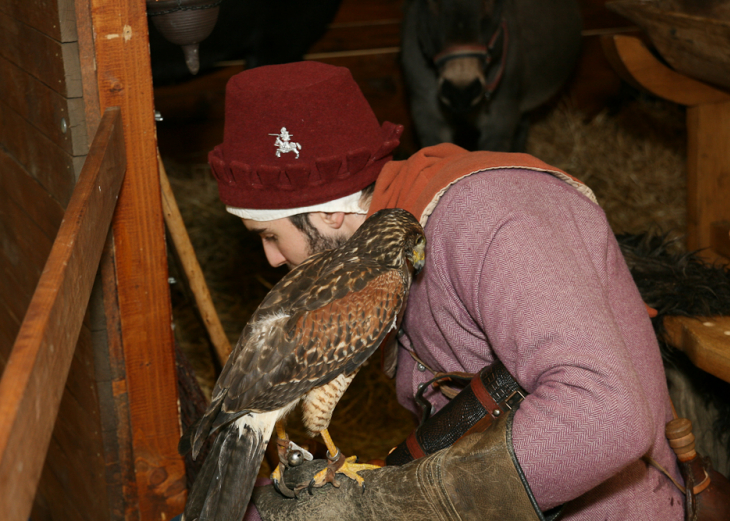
[
  {"x": 489, "y": 395},
  {"x": 477, "y": 386}
]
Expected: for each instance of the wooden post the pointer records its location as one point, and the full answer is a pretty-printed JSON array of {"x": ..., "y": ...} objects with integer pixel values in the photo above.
[
  {"x": 124, "y": 78},
  {"x": 708, "y": 171},
  {"x": 720, "y": 239}
]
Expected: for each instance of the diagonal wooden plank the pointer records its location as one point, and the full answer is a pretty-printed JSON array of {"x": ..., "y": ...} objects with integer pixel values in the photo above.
[
  {"x": 193, "y": 272},
  {"x": 32, "y": 384}
]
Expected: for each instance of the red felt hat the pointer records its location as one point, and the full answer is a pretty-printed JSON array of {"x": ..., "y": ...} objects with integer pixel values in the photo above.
[{"x": 297, "y": 135}]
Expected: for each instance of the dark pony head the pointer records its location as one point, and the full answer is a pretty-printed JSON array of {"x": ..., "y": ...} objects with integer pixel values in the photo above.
[{"x": 463, "y": 40}]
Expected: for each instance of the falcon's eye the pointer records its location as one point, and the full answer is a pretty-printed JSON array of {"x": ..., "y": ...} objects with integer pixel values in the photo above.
[{"x": 420, "y": 240}]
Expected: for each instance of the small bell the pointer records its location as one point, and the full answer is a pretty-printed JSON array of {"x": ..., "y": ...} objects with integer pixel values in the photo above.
[{"x": 185, "y": 23}]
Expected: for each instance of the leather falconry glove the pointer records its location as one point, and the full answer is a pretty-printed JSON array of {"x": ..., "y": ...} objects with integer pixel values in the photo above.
[{"x": 478, "y": 477}]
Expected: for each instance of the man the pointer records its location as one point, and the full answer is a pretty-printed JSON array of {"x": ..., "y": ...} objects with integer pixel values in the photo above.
[{"x": 522, "y": 268}]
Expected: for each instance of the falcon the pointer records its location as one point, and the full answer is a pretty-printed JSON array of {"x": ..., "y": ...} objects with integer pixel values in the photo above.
[{"x": 304, "y": 344}]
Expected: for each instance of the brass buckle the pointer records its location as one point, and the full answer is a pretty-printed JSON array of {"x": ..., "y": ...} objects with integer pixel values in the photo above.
[{"x": 514, "y": 399}]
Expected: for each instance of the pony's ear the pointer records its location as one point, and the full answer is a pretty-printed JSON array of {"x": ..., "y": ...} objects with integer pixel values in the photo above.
[{"x": 429, "y": 34}]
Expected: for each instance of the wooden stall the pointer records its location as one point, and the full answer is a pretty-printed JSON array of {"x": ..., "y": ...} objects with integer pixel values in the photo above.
[
  {"x": 92, "y": 348},
  {"x": 89, "y": 414}
]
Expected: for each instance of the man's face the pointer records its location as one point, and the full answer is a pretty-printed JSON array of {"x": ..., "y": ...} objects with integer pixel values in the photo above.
[{"x": 284, "y": 243}]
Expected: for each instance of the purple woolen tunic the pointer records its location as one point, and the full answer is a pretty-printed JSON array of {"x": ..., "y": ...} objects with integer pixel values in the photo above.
[{"x": 523, "y": 268}]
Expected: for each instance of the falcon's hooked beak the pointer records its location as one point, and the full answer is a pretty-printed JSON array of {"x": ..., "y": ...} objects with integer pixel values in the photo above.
[{"x": 418, "y": 258}]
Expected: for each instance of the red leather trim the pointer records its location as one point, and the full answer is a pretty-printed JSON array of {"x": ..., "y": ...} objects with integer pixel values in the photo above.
[
  {"x": 413, "y": 447},
  {"x": 484, "y": 397}
]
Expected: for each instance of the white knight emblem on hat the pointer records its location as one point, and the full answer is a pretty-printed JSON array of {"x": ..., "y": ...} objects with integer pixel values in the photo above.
[{"x": 284, "y": 145}]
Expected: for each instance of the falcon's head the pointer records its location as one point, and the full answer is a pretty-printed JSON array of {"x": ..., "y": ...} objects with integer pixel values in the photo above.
[{"x": 392, "y": 237}]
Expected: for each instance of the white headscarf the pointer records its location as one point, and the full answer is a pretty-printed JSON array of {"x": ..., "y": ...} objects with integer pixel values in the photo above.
[{"x": 347, "y": 204}]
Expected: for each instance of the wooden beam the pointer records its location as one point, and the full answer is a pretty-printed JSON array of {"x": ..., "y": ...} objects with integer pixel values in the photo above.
[
  {"x": 32, "y": 384},
  {"x": 706, "y": 341},
  {"x": 636, "y": 65},
  {"x": 124, "y": 78},
  {"x": 87, "y": 60},
  {"x": 708, "y": 133},
  {"x": 708, "y": 171},
  {"x": 114, "y": 397}
]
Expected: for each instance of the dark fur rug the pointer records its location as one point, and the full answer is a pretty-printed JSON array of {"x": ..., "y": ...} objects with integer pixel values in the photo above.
[{"x": 675, "y": 283}]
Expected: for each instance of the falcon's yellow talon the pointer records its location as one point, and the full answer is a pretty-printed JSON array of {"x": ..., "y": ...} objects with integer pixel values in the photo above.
[
  {"x": 278, "y": 478},
  {"x": 277, "y": 475},
  {"x": 349, "y": 468},
  {"x": 320, "y": 478}
]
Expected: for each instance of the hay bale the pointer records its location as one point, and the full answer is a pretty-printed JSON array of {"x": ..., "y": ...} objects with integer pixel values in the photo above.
[{"x": 634, "y": 160}]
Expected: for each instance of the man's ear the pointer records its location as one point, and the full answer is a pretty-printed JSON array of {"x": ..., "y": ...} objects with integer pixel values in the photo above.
[{"x": 334, "y": 220}]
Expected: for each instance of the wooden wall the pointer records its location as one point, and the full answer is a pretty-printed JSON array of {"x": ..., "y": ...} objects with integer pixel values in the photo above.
[
  {"x": 43, "y": 142},
  {"x": 39, "y": 161},
  {"x": 113, "y": 450}
]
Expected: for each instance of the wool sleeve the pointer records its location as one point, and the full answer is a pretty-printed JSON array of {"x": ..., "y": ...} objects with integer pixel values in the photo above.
[{"x": 537, "y": 268}]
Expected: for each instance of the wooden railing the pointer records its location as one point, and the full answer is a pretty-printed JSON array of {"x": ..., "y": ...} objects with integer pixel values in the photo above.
[{"x": 35, "y": 375}]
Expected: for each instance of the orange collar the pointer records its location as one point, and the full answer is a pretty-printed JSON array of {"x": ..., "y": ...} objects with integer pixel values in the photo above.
[{"x": 418, "y": 183}]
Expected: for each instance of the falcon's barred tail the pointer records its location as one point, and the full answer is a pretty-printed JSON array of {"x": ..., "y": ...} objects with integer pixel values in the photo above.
[{"x": 223, "y": 488}]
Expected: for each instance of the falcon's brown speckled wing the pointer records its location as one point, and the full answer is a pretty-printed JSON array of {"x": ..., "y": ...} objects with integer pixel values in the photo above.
[
  {"x": 334, "y": 334},
  {"x": 287, "y": 346},
  {"x": 249, "y": 360}
]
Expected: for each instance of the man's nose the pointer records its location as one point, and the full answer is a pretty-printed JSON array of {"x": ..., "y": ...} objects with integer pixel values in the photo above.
[{"x": 273, "y": 255}]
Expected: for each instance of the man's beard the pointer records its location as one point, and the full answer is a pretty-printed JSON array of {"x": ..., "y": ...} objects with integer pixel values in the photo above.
[{"x": 316, "y": 241}]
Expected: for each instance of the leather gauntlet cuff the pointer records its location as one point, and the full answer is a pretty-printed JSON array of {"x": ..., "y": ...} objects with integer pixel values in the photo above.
[
  {"x": 477, "y": 478},
  {"x": 491, "y": 393}
]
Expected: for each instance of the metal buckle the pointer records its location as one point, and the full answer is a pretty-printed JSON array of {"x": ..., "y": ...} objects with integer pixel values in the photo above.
[{"x": 513, "y": 400}]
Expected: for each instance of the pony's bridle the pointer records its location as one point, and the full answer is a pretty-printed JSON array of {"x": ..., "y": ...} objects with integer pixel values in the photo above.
[{"x": 485, "y": 53}]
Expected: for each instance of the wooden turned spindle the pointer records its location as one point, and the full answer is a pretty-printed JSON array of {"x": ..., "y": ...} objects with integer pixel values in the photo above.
[{"x": 682, "y": 441}]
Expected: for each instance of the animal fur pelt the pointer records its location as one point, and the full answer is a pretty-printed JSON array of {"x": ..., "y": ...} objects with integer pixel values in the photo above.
[{"x": 683, "y": 284}]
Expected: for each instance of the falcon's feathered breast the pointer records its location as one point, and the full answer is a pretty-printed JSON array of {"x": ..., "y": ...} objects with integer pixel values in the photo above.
[{"x": 305, "y": 341}]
